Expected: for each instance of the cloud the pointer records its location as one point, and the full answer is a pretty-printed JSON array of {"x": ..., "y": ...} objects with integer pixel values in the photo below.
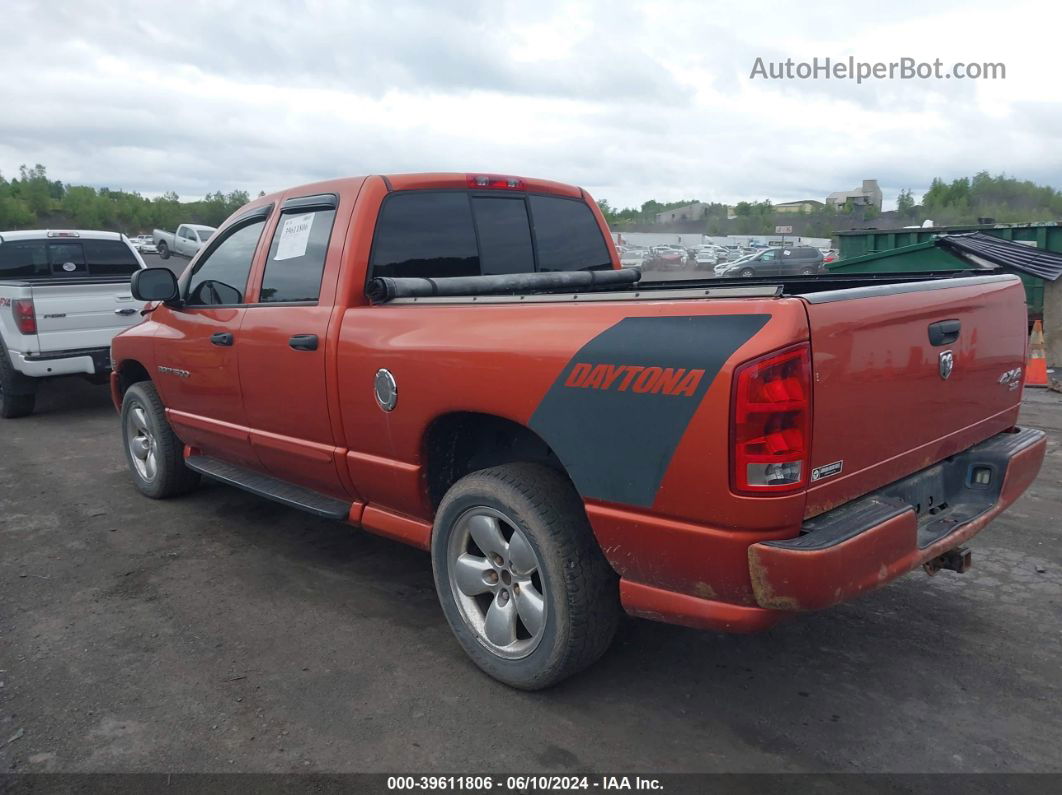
[{"x": 632, "y": 101}]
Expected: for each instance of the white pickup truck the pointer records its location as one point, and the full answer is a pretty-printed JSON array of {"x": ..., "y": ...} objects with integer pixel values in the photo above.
[
  {"x": 188, "y": 239},
  {"x": 63, "y": 296}
]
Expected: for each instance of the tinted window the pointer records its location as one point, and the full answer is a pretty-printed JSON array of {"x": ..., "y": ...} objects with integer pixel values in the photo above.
[
  {"x": 504, "y": 235},
  {"x": 23, "y": 259},
  {"x": 67, "y": 258},
  {"x": 110, "y": 258},
  {"x": 425, "y": 234},
  {"x": 38, "y": 258},
  {"x": 221, "y": 277},
  {"x": 567, "y": 235},
  {"x": 297, "y": 256}
]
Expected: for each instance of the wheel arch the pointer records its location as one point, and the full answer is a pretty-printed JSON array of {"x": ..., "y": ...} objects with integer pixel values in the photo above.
[
  {"x": 128, "y": 372},
  {"x": 461, "y": 442}
]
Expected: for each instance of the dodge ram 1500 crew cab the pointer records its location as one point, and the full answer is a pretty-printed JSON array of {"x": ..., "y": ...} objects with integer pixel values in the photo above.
[
  {"x": 63, "y": 295},
  {"x": 458, "y": 362}
]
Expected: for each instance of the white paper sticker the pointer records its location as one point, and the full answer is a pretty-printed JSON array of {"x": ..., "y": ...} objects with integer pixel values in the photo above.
[{"x": 294, "y": 237}]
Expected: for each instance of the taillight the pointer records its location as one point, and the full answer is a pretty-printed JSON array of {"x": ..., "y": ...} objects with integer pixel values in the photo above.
[
  {"x": 494, "y": 181},
  {"x": 25, "y": 315},
  {"x": 771, "y": 422}
]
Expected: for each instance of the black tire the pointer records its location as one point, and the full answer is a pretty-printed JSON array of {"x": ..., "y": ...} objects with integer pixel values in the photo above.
[
  {"x": 807, "y": 272},
  {"x": 171, "y": 476},
  {"x": 163, "y": 249},
  {"x": 18, "y": 393},
  {"x": 747, "y": 272},
  {"x": 578, "y": 586}
]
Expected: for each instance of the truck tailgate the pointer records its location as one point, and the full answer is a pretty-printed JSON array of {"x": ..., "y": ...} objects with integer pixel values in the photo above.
[
  {"x": 906, "y": 375},
  {"x": 83, "y": 313}
]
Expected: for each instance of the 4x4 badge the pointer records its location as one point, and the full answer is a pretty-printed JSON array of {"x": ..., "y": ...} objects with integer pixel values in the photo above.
[{"x": 947, "y": 364}]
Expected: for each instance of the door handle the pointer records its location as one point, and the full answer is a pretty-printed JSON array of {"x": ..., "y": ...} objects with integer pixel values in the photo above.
[
  {"x": 221, "y": 338},
  {"x": 944, "y": 332},
  {"x": 303, "y": 342},
  {"x": 128, "y": 311}
]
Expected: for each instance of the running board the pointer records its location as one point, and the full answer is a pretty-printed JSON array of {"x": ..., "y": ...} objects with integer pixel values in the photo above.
[{"x": 271, "y": 488}]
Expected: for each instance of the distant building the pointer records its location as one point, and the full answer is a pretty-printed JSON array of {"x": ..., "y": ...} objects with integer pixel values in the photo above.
[
  {"x": 867, "y": 196},
  {"x": 806, "y": 205},
  {"x": 691, "y": 212}
]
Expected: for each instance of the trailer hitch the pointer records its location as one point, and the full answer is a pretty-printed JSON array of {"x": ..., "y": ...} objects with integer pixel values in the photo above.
[{"x": 958, "y": 560}]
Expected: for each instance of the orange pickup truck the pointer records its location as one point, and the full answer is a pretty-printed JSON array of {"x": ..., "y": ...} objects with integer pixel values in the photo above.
[{"x": 460, "y": 363}]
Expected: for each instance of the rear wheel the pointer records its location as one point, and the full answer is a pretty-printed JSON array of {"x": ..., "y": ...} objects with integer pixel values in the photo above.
[
  {"x": 807, "y": 272},
  {"x": 18, "y": 393},
  {"x": 164, "y": 250},
  {"x": 520, "y": 577},
  {"x": 152, "y": 449}
]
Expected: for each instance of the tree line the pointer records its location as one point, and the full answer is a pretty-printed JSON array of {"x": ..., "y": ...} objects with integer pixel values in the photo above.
[{"x": 32, "y": 200}]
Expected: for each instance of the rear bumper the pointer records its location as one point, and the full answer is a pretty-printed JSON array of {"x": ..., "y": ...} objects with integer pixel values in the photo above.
[
  {"x": 89, "y": 361},
  {"x": 871, "y": 541}
]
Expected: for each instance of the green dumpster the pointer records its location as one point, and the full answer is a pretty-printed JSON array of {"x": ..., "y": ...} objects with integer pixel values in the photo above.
[{"x": 927, "y": 256}]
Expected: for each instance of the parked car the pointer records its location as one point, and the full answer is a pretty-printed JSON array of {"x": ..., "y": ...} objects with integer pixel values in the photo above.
[
  {"x": 790, "y": 261},
  {"x": 144, "y": 244},
  {"x": 666, "y": 257},
  {"x": 706, "y": 256},
  {"x": 186, "y": 241},
  {"x": 63, "y": 295},
  {"x": 631, "y": 256},
  {"x": 425, "y": 364}
]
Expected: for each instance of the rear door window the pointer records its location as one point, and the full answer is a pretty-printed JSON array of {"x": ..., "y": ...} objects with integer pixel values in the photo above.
[
  {"x": 567, "y": 235},
  {"x": 297, "y": 256}
]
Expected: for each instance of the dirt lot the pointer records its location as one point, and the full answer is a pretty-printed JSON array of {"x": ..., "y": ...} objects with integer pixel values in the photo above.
[{"x": 221, "y": 632}]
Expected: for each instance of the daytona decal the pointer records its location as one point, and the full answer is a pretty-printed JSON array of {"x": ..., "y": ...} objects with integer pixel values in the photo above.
[
  {"x": 669, "y": 380},
  {"x": 617, "y": 411}
]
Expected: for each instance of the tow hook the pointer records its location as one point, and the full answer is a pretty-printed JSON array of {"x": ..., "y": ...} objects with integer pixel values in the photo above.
[{"x": 957, "y": 560}]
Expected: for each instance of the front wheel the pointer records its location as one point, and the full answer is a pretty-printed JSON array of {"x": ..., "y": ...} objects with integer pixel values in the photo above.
[
  {"x": 164, "y": 250},
  {"x": 747, "y": 272},
  {"x": 520, "y": 577},
  {"x": 152, "y": 449}
]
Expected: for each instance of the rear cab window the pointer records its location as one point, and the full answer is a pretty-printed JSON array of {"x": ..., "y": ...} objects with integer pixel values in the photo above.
[
  {"x": 65, "y": 258},
  {"x": 443, "y": 233}
]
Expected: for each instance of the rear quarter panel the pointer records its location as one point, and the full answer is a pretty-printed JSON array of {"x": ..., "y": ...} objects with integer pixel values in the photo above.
[{"x": 665, "y": 454}]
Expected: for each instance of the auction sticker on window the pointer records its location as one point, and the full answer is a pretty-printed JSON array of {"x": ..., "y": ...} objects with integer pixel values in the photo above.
[{"x": 294, "y": 237}]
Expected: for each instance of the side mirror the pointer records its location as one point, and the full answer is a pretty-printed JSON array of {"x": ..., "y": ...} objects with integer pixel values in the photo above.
[{"x": 154, "y": 284}]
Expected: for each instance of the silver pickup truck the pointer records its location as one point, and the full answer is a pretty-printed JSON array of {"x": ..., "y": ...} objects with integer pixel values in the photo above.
[
  {"x": 188, "y": 239},
  {"x": 63, "y": 296}
]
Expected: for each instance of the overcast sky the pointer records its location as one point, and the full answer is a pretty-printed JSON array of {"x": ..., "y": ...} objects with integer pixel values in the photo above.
[{"x": 630, "y": 100}]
